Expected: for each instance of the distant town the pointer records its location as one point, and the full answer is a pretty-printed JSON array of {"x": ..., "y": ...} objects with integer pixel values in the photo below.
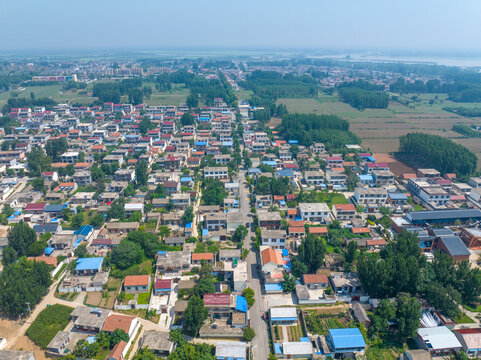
[{"x": 239, "y": 208}]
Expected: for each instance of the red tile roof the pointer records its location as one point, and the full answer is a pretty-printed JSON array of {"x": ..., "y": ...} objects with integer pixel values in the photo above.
[
  {"x": 35, "y": 207},
  {"x": 270, "y": 255},
  {"x": 217, "y": 299},
  {"x": 361, "y": 230},
  {"x": 345, "y": 207},
  {"x": 117, "y": 351},
  {"x": 296, "y": 230},
  {"x": 202, "y": 256},
  {"x": 163, "y": 283},
  {"x": 136, "y": 280},
  {"x": 317, "y": 230},
  {"x": 115, "y": 321},
  {"x": 315, "y": 279}
]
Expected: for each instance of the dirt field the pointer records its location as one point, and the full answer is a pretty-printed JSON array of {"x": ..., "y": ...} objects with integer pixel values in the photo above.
[
  {"x": 95, "y": 299},
  {"x": 8, "y": 327},
  {"x": 397, "y": 167},
  {"x": 334, "y": 309}
]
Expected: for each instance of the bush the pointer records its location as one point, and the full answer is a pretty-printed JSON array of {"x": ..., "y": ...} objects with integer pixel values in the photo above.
[{"x": 50, "y": 321}]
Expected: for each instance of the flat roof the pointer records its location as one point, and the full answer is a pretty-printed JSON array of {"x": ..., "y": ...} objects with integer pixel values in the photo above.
[
  {"x": 297, "y": 348},
  {"x": 230, "y": 349},
  {"x": 439, "y": 337},
  {"x": 283, "y": 313}
]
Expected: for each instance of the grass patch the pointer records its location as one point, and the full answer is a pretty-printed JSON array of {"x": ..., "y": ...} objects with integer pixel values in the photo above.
[
  {"x": 50, "y": 321},
  {"x": 144, "y": 268},
  {"x": 321, "y": 323},
  {"x": 380, "y": 354},
  {"x": 463, "y": 319},
  {"x": 60, "y": 272},
  {"x": 143, "y": 298},
  {"x": 71, "y": 296},
  {"x": 477, "y": 308}
]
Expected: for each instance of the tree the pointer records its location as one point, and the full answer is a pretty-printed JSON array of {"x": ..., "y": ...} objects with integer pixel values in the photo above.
[
  {"x": 141, "y": 173},
  {"x": 289, "y": 284},
  {"x": 37, "y": 161},
  {"x": 77, "y": 220},
  {"x": 81, "y": 251},
  {"x": 298, "y": 267},
  {"x": 145, "y": 125},
  {"x": 195, "y": 315},
  {"x": 37, "y": 248},
  {"x": 164, "y": 231},
  {"x": 187, "y": 119},
  {"x": 407, "y": 314},
  {"x": 21, "y": 237},
  {"x": 136, "y": 96},
  {"x": 9, "y": 255},
  {"x": 351, "y": 252},
  {"x": 248, "y": 293},
  {"x": 97, "y": 221},
  {"x": 117, "y": 336},
  {"x": 385, "y": 312},
  {"x": 55, "y": 148},
  {"x": 147, "y": 241},
  {"x": 126, "y": 254},
  {"x": 144, "y": 354},
  {"x": 38, "y": 184},
  {"x": 204, "y": 286},
  {"x": 213, "y": 192},
  {"x": 188, "y": 216},
  {"x": 192, "y": 100},
  {"x": 249, "y": 333},
  {"x": 117, "y": 210},
  {"x": 239, "y": 234},
  {"x": 311, "y": 252},
  {"x": 25, "y": 281}
]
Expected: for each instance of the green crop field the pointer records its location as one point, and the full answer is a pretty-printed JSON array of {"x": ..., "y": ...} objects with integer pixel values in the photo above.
[{"x": 380, "y": 129}]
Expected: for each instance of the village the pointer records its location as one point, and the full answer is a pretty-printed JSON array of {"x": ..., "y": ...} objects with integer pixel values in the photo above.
[{"x": 172, "y": 226}]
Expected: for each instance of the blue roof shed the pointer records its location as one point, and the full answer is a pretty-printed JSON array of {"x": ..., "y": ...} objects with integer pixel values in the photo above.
[
  {"x": 241, "y": 304},
  {"x": 84, "y": 264},
  {"x": 346, "y": 340}
]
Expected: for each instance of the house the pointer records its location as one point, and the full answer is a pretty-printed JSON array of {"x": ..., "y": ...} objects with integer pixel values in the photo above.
[
  {"x": 219, "y": 305},
  {"x": 117, "y": 353},
  {"x": 215, "y": 221},
  {"x": 283, "y": 315},
  {"x": 314, "y": 178},
  {"x": 84, "y": 232},
  {"x": 269, "y": 220},
  {"x": 345, "y": 283},
  {"x": 121, "y": 228},
  {"x": 360, "y": 314},
  {"x": 454, "y": 247},
  {"x": 125, "y": 175},
  {"x": 174, "y": 241},
  {"x": 158, "y": 342},
  {"x": 137, "y": 283},
  {"x": 89, "y": 319},
  {"x": 35, "y": 208},
  {"x": 131, "y": 208},
  {"x": 383, "y": 177},
  {"x": 229, "y": 255},
  {"x": 16, "y": 355},
  {"x": 344, "y": 211},
  {"x": 271, "y": 260},
  {"x": 82, "y": 178},
  {"x": 470, "y": 340},
  {"x": 50, "y": 176},
  {"x": 471, "y": 238},
  {"x": 173, "y": 261},
  {"x": 313, "y": 212},
  {"x": 298, "y": 349},
  {"x": 397, "y": 199},
  {"x": 180, "y": 201},
  {"x": 219, "y": 173},
  {"x": 428, "y": 174},
  {"x": 198, "y": 258},
  {"x": 439, "y": 340},
  {"x": 129, "y": 324},
  {"x": 230, "y": 350},
  {"x": 162, "y": 286},
  {"x": 315, "y": 281},
  {"x": 274, "y": 238},
  {"x": 365, "y": 196},
  {"x": 88, "y": 266},
  {"x": 341, "y": 341},
  {"x": 59, "y": 343},
  {"x": 52, "y": 228}
]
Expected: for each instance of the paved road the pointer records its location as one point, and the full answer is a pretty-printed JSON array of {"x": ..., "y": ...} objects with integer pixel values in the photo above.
[{"x": 260, "y": 344}]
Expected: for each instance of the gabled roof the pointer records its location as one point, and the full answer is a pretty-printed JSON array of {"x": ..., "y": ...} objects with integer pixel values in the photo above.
[
  {"x": 202, "y": 256},
  {"x": 315, "y": 279},
  {"x": 217, "y": 299},
  {"x": 271, "y": 256},
  {"x": 136, "y": 280},
  {"x": 116, "y": 321}
]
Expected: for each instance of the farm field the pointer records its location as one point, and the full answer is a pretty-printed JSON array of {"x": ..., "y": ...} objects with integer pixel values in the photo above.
[
  {"x": 380, "y": 129},
  {"x": 320, "y": 324}
]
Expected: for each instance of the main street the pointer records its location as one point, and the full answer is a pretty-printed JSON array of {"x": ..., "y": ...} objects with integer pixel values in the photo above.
[{"x": 260, "y": 344}]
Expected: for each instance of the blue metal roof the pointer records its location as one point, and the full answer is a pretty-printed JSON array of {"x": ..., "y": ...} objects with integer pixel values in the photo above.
[
  {"x": 186, "y": 179},
  {"x": 293, "y": 141},
  {"x": 270, "y": 162},
  {"x": 188, "y": 225},
  {"x": 200, "y": 143},
  {"x": 304, "y": 339},
  {"x": 53, "y": 208},
  {"x": 84, "y": 230},
  {"x": 363, "y": 177},
  {"x": 285, "y": 172},
  {"x": 48, "y": 250},
  {"x": 241, "y": 304},
  {"x": 278, "y": 348},
  {"x": 347, "y": 338},
  {"x": 89, "y": 263},
  {"x": 285, "y": 252},
  {"x": 273, "y": 287},
  {"x": 205, "y": 232},
  {"x": 254, "y": 170}
]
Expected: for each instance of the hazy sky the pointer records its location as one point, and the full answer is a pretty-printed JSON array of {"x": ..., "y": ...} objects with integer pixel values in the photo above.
[{"x": 321, "y": 24}]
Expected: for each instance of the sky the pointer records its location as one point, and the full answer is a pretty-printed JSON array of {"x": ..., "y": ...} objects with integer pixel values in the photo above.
[{"x": 410, "y": 25}]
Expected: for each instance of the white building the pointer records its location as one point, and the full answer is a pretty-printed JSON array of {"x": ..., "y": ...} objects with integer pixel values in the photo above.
[
  {"x": 365, "y": 196},
  {"x": 314, "y": 212},
  {"x": 221, "y": 172}
]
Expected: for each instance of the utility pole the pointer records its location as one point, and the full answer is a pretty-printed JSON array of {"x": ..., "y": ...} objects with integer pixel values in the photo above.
[{"x": 29, "y": 310}]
